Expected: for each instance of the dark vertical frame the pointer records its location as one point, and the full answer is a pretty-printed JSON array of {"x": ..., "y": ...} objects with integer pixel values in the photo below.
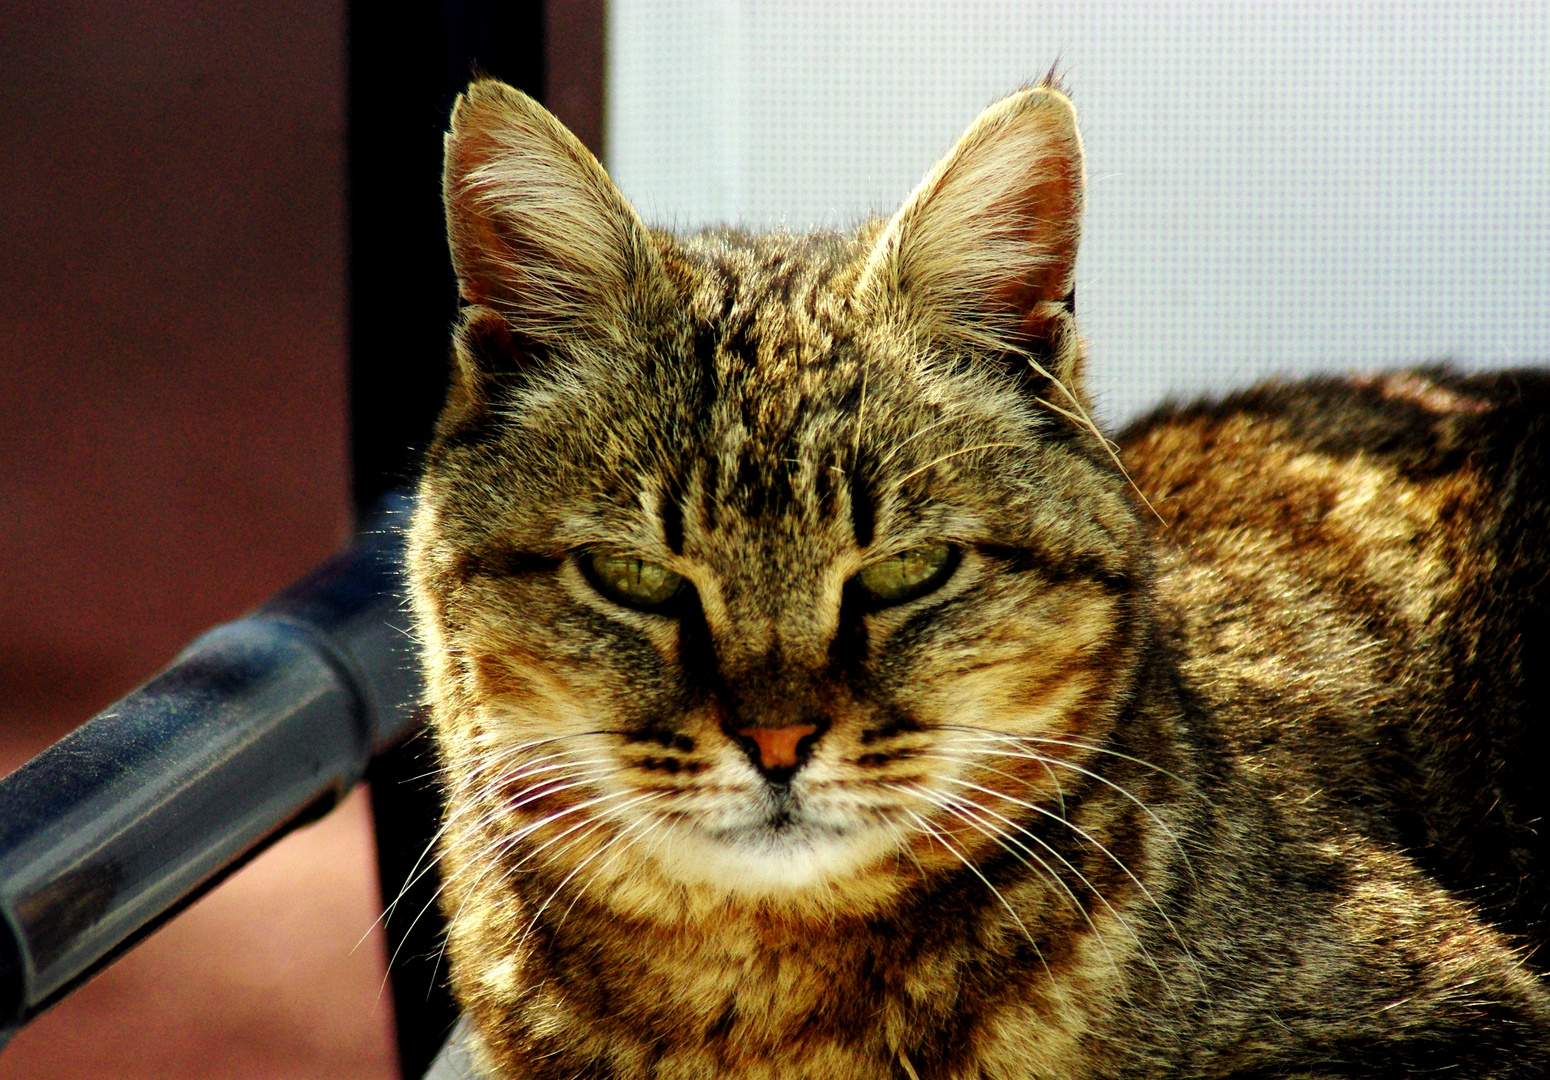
[
  {"x": 575, "y": 66},
  {"x": 406, "y": 65}
]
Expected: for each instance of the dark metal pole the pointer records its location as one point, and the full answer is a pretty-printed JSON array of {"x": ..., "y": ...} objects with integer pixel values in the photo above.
[{"x": 257, "y": 727}]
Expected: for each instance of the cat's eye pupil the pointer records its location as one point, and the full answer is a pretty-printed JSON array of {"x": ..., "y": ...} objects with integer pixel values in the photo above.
[
  {"x": 635, "y": 580},
  {"x": 907, "y": 574}
]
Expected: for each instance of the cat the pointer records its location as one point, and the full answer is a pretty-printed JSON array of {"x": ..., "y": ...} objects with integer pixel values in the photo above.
[
  {"x": 821, "y": 695},
  {"x": 1362, "y": 562}
]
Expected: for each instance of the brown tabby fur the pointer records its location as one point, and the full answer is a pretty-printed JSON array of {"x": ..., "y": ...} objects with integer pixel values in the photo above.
[{"x": 1251, "y": 796}]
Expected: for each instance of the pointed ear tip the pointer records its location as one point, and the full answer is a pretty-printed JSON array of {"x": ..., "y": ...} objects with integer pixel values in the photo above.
[
  {"x": 1045, "y": 104},
  {"x": 485, "y": 88},
  {"x": 486, "y": 96}
]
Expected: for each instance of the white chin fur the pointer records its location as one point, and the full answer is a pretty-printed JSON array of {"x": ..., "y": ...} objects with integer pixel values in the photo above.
[{"x": 766, "y": 863}]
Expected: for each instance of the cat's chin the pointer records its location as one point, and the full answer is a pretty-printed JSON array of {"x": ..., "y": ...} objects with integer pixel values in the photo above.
[{"x": 770, "y": 862}]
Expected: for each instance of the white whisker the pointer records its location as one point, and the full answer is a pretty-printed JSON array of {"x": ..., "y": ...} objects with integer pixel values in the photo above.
[
  {"x": 1048, "y": 761},
  {"x": 1085, "y": 835},
  {"x": 926, "y": 828}
]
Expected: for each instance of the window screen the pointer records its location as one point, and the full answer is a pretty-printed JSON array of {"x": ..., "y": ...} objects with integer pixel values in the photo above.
[{"x": 1273, "y": 187}]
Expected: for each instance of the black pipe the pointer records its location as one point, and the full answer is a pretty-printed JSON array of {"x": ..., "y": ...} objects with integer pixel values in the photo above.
[{"x": 258, "y": 726}]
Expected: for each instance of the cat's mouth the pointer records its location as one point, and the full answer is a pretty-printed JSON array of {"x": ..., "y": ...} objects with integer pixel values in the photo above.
[
  {"x": 783, "y": 817},
  {"x": 780, "y": 844},
  {"x": 784, "y": 824}
]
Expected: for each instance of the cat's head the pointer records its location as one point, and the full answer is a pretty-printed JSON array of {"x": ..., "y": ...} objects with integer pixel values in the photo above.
[{"x": 770, "y": 566}]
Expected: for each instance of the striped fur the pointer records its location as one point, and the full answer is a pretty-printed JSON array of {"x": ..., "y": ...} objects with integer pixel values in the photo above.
[{"x": 1038, "y": 829}]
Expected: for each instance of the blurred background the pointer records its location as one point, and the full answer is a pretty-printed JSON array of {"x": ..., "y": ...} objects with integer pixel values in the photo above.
[
  {"x": 174, "y": 446},
  {"x": 198, "y": 384}
]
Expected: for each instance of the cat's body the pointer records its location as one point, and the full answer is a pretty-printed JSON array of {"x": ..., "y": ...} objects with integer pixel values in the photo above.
[
  {"x": 817, "y": 700},
  {"x": 1361, "y": 569}
]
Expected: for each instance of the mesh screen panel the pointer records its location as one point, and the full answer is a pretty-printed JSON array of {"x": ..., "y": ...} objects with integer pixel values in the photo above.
[{"x": 1273, "y": 187}]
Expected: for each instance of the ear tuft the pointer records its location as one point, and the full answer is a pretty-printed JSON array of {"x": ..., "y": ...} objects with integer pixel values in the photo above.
[
  {"x": 537, "y": 230},
  {"x": 486, "y": 349},
  {"x": 487, "y": 356},
  {"x": 982, "y": 255}
]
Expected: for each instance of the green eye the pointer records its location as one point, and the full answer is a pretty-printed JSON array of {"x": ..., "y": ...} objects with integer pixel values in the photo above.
[
  {"x": 631, "y": 581},
  {"x": 908, "y": 574}
]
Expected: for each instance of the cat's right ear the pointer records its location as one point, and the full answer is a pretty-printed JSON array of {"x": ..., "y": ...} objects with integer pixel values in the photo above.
[
  {"x": 982, "y": 256},
  {"x": 538, "y": 232}
]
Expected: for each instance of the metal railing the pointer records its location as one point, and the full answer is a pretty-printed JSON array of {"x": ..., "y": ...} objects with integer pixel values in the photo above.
[{"x": 259, "y": 726}]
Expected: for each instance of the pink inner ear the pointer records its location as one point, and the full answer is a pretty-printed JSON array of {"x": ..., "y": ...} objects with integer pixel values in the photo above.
[
  {"x": 536, "y": 228},
  {"x": 1050, "y": 209},
  {"x": 987, "y": 245},
  {"x": 481, "y": 257}
]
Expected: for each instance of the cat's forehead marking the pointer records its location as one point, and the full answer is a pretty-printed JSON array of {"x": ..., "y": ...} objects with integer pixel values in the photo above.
[
  {"x": 795, "y": 421},
  {"x": 771, "y": 431}
]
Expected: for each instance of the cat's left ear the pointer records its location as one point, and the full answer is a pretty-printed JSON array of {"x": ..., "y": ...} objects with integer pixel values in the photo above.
[
  {"x": 982, "y": 255},
  {"x": 538, "y": 231}
]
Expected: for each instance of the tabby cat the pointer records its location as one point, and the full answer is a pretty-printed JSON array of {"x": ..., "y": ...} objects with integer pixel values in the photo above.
[{"x": 818, "y": 698}]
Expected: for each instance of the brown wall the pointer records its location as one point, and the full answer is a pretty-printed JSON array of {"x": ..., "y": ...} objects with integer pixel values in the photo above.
[
  {"x": 575, "y": 66},
  {"x": 172, "y": 424},
  {"x": 173, "y": 449}
]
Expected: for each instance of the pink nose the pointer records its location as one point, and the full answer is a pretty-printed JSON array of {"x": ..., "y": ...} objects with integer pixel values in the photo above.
[{"x": 778, "y": 746}]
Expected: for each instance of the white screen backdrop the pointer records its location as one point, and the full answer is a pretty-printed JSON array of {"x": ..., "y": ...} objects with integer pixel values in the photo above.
[{"x": 1273, "y": 187}]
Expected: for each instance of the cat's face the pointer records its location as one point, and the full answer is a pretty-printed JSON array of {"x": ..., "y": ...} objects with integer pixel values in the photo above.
[{"x": 748, "y": 564}]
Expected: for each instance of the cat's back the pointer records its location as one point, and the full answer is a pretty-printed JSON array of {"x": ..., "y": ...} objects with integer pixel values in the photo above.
[{"x": 1358, "y": 569}]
